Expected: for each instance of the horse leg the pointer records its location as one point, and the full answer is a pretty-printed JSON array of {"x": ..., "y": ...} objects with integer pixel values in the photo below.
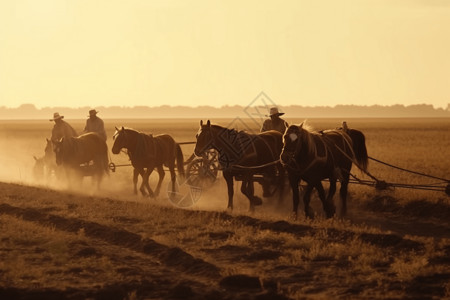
[
  {"x": 229, "y": 179},
  {"x": 306, "y": 199},
  {"x": 331, "y": 192},
  {"x": 161, "y": 177},
  {"x": 136, "y": 173},
  {"x": 173, "y": 178},
  {"x": 248, "y": 189},
  {"x": 328, "y": 206},
  {"x": 251, "y": 191},
  {"x": 245, "y": 191},
  {"x": 281, "y": 182},
  {"x": 98, "y": 172},
  {"x": 146, "y": 184},
  {"x": 343, "y": 193},
  {"x": 294, "y": 181}
]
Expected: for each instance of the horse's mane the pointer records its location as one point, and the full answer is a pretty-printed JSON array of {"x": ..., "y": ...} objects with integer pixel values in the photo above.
[
  {"x": 124, "y": 129},
  {"x": 308, "y": 138},
  {"x": 308, "y": 127},
  {"x": 232, "y": 130},
  {"x": 145, "y": 147},
  {"x": 128, "y": 129},
  {"x": 225, "y": 128}
]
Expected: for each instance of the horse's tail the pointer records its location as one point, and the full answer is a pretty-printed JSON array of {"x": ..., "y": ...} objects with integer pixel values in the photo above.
[
  {"x": 180, "y": 160},
  {"x": 359, "y": 148}
]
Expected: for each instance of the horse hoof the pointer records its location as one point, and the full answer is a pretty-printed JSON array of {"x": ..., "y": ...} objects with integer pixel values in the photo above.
[
  {"x": 310, "y": 215},
  {"x": 294, "y": 216},
  {"x": 330, "y": 214},
  {"x": 257, "y": 201}
]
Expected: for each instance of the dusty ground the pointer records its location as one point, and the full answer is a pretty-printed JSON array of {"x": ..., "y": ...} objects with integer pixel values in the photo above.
[{"x": 60, "y": 245}]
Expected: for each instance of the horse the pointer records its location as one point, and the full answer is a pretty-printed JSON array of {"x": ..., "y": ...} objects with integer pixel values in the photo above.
[
  {"x": 88, "y": 149},
  {"x": 241, "y": 156},
  {"x": 314, "y": 156},
  {"x": 45, "y": 166},
  {"x": 148, "y": 152}
]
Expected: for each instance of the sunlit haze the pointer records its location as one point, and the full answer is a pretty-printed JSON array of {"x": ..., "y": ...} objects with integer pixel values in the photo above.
[{"x": 144, "y": 52}]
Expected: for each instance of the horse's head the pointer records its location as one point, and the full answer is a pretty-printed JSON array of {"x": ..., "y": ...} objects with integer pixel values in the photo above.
[
  {"x": 60, "y": 148},
  {"x": 291, "y": 144},
  {"x": 204, "y": 138},
  {"x": 38, "y": 168},
  {"x": 49, "y": 153},
  {"x": 120, "y": 139}
]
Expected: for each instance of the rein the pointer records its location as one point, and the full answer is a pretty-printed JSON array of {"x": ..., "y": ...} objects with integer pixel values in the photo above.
[{"x": 257, "y": 167}]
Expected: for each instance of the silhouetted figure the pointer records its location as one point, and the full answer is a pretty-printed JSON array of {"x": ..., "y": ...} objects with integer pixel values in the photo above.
[
  {"x": 95, "y": 124},
  {"x": 280, "y": 125},
  {"x": 275, "y": 122},
  {"x": 61, "y": 128}
]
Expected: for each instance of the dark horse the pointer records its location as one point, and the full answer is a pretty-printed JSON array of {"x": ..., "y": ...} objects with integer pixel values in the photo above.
[
  {"x": 314, "y": 156},
  {"x": 148, "y": 152},
  {"x": 86, "y": 154},
  {"x": 242, "y": 155},
  {"x": 45, "y": 166}
]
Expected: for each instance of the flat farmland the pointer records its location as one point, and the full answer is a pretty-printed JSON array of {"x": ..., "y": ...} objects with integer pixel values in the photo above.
[{"x": 109, "y": 243}]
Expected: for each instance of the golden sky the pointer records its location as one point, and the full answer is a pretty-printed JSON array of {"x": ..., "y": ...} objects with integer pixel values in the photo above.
[{"x": 206, "y": 52}]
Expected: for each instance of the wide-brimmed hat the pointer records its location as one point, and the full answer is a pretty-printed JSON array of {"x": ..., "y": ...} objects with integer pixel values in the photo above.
[
  {"x": 274, "y": 111},
  {"x": 56, "y": 116},
  {"x": 93, "y": 112}
]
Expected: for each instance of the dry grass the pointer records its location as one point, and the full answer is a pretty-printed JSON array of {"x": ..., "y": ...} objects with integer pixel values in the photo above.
[{"x": 392, "y": 245}]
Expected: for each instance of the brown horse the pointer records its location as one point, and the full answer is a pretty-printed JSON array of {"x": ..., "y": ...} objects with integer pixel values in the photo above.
[
  {"x": 45, "y": 166},
  {"x": 87, "y": 149},
  {"x": 314, "y": 156},
  {"x": 243, "y": 155},
  {"x": 148, "y": 152}
]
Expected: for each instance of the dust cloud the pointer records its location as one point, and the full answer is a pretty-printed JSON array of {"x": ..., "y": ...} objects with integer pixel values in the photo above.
[
  {"x": 19, "y": 166},
  {"x": 18, "y": 154}
]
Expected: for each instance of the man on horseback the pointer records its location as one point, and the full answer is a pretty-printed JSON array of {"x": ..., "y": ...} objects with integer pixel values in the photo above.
[
  {"x": 275, "y": 122},
  {"x": 95, "y": 124},
  {"x": 61, "y": 128}
]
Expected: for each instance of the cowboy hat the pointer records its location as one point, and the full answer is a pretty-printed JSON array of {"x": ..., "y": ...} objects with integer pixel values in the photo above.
[
  {"x": 93, "y": 112},
  {"x": 274, "y": 111},
  {"x": 56, "y": 116}
]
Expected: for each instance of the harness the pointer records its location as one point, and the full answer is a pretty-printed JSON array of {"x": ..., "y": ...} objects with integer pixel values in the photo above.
[
  {"x": 141, "y": 148},
  {"x": 327, "y": 143},
  {"x": 237, "y": 147}
]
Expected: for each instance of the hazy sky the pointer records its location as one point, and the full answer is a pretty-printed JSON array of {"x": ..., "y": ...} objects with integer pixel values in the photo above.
[{"x": 180, "y": 52}]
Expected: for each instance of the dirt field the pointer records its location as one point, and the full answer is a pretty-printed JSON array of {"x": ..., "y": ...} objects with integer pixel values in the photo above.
[{"x": 109, "y": 244}]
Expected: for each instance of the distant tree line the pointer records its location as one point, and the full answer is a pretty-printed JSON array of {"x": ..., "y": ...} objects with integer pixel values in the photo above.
[{"x": 29, "y": 111}]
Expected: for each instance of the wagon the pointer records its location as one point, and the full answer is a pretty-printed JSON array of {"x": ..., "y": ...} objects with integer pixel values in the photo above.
[{"x": 201, "y": 171}]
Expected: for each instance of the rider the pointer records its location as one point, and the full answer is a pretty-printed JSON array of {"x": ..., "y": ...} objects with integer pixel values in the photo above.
[
  {"x": 275, "y": 122},
  {"x": 61, "y": 128},
  {"x": 95, "y": 124},
  {"x": 280, "y": 125}
]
